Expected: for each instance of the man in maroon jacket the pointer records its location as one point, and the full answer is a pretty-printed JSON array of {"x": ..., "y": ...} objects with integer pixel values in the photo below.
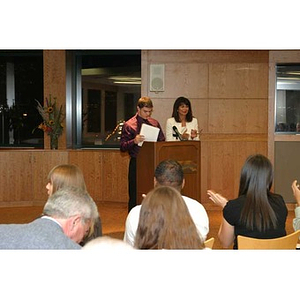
[{"x": 131, "y": 137}]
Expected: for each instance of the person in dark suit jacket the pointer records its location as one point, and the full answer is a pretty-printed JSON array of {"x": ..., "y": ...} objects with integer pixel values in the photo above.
[{"x": 67, "y": 217}]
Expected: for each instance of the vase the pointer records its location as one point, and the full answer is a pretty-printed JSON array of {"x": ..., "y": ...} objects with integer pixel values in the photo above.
[{"x": 53, "y": 142}]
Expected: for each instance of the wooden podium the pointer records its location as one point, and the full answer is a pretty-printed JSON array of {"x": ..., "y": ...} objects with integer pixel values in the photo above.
[{"x": 187, "y": 153}]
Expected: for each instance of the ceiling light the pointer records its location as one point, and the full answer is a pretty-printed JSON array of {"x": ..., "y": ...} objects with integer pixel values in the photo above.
[{"x": 127, "y": 82}]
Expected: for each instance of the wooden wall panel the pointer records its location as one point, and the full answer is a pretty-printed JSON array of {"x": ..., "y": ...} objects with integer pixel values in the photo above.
[
  {"x": 223, "y": 162},
  {"x": 238, "y": 80},
  {"x": 55, "y": 84},
  {"x": 23, "y": 174},
  {"x": 105, "y": 173},
  {"x": 15, "y": 178},
  {"x": 186, "y": 79},
  {"x": 42, "y": 163},
  {"x": 238, "y": 116},
  {"x": 115, "y": 170},
  {"x": 91, "y": 164},
  {"x": 204, "y": 56},
  {"x": 201, "y": 112}
]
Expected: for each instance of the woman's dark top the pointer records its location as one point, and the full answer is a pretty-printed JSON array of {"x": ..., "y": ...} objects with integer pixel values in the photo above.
[{"x": 232, "y": 212}]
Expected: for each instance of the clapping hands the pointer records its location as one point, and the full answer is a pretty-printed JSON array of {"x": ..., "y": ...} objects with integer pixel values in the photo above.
[
  {"x": 217, "y": 198},
  {"x": 296, "y": 191}
]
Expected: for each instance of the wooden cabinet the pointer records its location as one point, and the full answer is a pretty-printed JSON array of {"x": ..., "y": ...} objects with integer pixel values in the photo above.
[
  {"x": 105, "y": 173},
  {"x": 90, "y": 163},
  {"x": 15, "y": 178},
  {"x": 24, "y": 175},
  {"x": 115, "y": 176},
  {"x": 41, "y": 163}
]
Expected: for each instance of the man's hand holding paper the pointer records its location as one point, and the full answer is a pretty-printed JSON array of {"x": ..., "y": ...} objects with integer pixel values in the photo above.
[{"x": 149, "y": 132}]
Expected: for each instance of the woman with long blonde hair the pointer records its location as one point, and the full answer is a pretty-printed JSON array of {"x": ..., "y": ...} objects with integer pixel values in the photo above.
[
  {"x": 165, "y": 222},
  {"x": 68, "y": 175}
]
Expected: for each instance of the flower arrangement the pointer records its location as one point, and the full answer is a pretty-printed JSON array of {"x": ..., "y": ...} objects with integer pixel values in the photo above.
[{"x": 52, "y": 120}]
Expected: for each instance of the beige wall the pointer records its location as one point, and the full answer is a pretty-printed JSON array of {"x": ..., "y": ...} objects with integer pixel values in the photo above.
[{"x": 229, "y": 95}]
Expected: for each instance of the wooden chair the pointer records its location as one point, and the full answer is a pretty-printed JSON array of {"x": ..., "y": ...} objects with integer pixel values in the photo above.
[
  {"x": 286, "y": 242},
  {"x": 209, "y": 243}
]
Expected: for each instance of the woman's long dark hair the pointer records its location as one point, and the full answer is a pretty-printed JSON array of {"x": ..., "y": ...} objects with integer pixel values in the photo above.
[
  {"x": 177, "y": 103},
  {"x": 255, "y": 183}
]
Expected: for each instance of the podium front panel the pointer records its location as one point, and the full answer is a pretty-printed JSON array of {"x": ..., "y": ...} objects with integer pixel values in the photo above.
[{"x": 187, "y": 153}]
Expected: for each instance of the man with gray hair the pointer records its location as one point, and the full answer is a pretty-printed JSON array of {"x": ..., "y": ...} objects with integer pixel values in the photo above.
[{"x": 67, "y": 217}]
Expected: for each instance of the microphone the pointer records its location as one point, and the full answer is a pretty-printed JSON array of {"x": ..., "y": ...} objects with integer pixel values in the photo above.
[{"x": 178, "y": 135}]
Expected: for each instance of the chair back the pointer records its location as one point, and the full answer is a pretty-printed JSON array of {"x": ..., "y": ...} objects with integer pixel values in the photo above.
[
  {"x": 286, "y": 242},
  {"x": 209, "y": 243}
]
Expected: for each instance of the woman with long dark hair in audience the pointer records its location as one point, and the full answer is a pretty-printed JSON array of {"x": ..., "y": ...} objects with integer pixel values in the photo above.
[{"x": 257, "y": 212}]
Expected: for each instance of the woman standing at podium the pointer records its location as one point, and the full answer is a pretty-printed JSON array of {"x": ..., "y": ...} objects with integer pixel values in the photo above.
[{"x": 182, "y": 125}]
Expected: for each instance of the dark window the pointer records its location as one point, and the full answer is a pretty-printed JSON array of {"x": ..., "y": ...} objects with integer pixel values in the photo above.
[
  {"x": 94, "y": 110},
  {"x": 21, "y": 84},
  {"x": 110, "y": 81},
  {"x": 130, "y": 102},
  {"x": 110, "y": 110}
]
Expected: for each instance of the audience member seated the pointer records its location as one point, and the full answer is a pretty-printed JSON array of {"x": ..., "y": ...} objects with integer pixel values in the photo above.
[
  {"x": 296, "y": 192},
  {"x": 67, "y": 175},
  {"x": 256, "y": 212},
  {"x": 107, "y": 243},
  {"x": 281, "y": 127},
  {"x": 169, "y": 173},
  {"x": 165, "y": 222},
  {"x": 67, "y": 217}
]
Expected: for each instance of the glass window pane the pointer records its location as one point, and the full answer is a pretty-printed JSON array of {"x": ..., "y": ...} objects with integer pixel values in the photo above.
[
  {"x": 21, "y": 84},
  {"x": 111, "y": 85},
  {"x": 110, "y": 110},
  {"x": 94, "y": 111},
  {"x": 287, "y": 118}
]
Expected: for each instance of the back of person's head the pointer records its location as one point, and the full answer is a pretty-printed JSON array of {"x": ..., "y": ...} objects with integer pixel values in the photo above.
[
  {"x": 107, "y": 243},
  {"x": 169, "y": 173},
  {"x": 165, "y": 222},
  {"x": 179, "y": 101},
  {"x": 66, "y": 175},
  {"x": 68, "y": 202},
  {"x": 145, "y": 102},
  {"x": 255, "y": 183},
  {"x": 256, "y": 175}
]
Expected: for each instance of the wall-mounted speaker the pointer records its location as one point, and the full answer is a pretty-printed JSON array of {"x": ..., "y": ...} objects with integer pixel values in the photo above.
[{"x": 157, "y": 78}]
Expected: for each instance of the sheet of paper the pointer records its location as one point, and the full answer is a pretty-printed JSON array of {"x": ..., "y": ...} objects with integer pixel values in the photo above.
[{"x": 150, "y": 133}]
